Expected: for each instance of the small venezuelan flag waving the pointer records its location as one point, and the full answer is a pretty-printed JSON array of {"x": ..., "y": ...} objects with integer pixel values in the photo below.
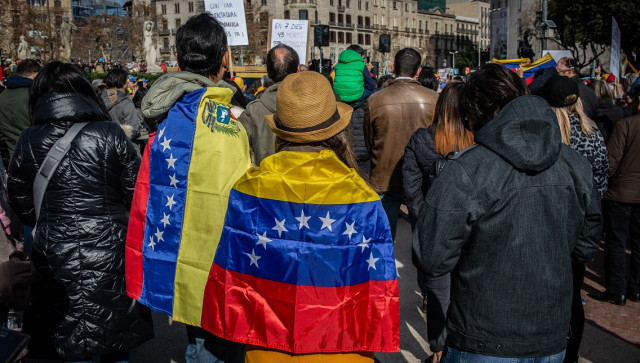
[
  {"x": 305, "y": 263},
  {"x": 529, "y": 69},
  {"x": 179, "y": 203}
]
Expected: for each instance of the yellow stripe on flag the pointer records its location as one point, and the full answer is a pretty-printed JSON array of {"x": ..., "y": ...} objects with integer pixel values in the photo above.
[
  {"x": 220, "y": 157},
  {"x": 547, "y": 57},
  {"x": 334, "y": 180}
]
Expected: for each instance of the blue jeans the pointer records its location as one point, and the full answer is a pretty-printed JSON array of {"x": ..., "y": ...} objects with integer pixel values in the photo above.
[
  {"x": 452, "y": 355},
  {"x": 205, "y": 347},
  {"x": 391, "y": 203}
]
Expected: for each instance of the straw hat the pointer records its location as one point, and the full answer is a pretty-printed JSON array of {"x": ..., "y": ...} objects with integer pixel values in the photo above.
[{"x": 307, "y": 110}]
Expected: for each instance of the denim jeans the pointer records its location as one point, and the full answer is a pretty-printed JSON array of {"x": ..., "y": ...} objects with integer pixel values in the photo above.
[
  {"x": 452, "y": 355},
  {"x": 205, "y": 347},
  {"x": 391, "y": 203}
]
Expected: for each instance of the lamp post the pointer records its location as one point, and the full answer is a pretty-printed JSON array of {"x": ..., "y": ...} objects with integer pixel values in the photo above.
[{"x": 453, "y": 54}]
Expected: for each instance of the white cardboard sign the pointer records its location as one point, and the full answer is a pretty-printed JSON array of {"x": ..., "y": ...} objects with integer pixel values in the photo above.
[
  {"x": 231, "y": 14},
  {"x": 292, "y": 33}
]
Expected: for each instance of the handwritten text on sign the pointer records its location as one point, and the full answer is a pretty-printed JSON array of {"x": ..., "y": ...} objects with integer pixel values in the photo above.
[
  {"x": 231, "y": 14},
  {"x": 292, "y": 33}
]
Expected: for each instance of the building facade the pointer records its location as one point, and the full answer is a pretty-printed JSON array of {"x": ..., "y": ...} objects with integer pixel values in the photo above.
[{"x": 427, "y": 26}]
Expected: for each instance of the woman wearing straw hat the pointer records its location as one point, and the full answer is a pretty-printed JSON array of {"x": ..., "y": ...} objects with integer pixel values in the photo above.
[{"x": 305, "y": 270}]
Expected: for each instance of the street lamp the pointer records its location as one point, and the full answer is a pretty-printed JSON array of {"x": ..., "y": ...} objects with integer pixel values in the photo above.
[{"x": 453, "y": 65}]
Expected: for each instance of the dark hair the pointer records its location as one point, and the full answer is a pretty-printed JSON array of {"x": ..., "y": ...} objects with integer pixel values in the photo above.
[
  {"x": 428, "y": 79},
  {"x": 58, "y": 77},
  {"x": 137, "y": 99},
  {"x": 406, "y": 62},
  {"x": 356, "y": 48},
  {"x": 383, "y": 79},
  {"x": 201, "y": 44},
  {"x": 116, "y": 78},
  {"x": 450, "y": 134},
  {"x": 282, "y": 60},
  {"x": 486, "y": 92},
  {"x": 27, "y": 67}
]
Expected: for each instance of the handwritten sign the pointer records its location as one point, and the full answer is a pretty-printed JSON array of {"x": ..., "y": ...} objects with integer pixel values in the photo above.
[
  {"x": 292, "y": 33},
  {"x": 231, "y": 14}
]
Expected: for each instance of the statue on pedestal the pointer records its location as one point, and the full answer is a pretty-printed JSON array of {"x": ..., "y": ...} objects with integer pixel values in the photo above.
[
  {"x": 24, "y": 51},
  {"x": 66, "y": 37},
  {"x": 150, "y": 51}
]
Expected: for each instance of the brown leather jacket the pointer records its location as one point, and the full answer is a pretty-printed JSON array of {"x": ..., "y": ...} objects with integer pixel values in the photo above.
[
  {"x": 624, "y": 161},
  {"x": 391, "y": 117}
]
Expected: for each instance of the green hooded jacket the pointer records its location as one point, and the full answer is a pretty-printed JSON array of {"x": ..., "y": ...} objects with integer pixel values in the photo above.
[{"x": 349, "y": 80}]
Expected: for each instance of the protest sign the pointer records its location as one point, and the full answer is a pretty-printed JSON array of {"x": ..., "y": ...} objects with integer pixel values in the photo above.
[
  {"x": 231, "y": 14},
  {"x": 293, "y": 33}
]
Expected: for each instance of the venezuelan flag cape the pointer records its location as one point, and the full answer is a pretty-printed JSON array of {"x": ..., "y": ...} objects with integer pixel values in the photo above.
[
  {"x": 305, "y": 263},
  {"x": 179, "y": 203}
]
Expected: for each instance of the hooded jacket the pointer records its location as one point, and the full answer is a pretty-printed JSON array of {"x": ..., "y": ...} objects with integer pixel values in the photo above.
[
  {"x": 349, "y": 81},
  {"x": 506, "y": 217},
  {"x": 261, "y": 138},
  {"x": 123, "y": 111},
  {"x": 79, "y": 304},
  {"x": 14, "y": 113}
]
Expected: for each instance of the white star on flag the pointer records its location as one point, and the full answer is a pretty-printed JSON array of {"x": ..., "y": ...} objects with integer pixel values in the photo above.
[
  {"x": 365, "y": 243},
  {"x": 254, "y": 259},
  {"x": 263, "y": 240},
  {"x": 350, "y": 230},
  {"x": 303, "y": 220},
  {"x": 166, "y": 144},
  {"x": 165, "y": 220},
  {"x": 171, "y": 161},
  {"x": 326, "y": 222},
  {"x": 280, "y": 227},
  {"x": 152, "y": 244},
  {"x": 161, "y": 133},
  {"x": 372, "y": 262},
  {"x": 159, "y": 234},
  {"x": 174, "y": 181},
  {"x": 170, "y": 202}
]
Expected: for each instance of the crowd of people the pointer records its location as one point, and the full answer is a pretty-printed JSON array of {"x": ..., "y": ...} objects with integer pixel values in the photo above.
[{"x": 265, "y": 219}]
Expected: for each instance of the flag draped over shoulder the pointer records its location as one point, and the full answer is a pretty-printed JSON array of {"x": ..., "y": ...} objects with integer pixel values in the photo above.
[
  {"x": 179, "y": 203},
  {"x": 305, "y": 263},
  {"x": 529, "y": 69}
]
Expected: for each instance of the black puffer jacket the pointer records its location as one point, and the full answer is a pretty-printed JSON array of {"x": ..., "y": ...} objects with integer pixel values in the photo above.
[
  {"x": 419, "y": 161},
  {"x": 359, "y": 147},
  {"x": 608, "y": 115},
  {"x": 80, "y": 307}
]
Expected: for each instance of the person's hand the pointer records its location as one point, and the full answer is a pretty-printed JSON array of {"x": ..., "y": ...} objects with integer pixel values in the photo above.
[
  {"x": 437, "y": 356},
  {"x": 563, "y": 66},
  {"x": 520, "y": 72}
]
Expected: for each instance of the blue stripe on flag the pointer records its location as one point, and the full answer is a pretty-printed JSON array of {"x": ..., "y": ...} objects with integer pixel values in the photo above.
[
  {"x": 170, "y": 156},
  {"x": 272, "y": 240}
]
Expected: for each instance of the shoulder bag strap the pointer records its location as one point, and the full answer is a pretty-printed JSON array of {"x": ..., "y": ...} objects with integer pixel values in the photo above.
[{"x": 50, "y": 164}]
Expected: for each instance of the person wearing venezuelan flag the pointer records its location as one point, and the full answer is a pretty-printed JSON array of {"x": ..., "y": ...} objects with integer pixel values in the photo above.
[
  {"x": 198, "y": 152},
  {"x": 305, "y": 268}
]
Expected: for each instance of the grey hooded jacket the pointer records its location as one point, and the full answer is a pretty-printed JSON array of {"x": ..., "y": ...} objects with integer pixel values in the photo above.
[
  {"x": 261, "y": 138},
  {"x": 123, "y": 111},
  {"x": 506, "y": 217}
]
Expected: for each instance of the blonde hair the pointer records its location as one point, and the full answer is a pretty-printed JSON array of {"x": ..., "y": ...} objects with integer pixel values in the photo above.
[{"x": 586, "y": 124}]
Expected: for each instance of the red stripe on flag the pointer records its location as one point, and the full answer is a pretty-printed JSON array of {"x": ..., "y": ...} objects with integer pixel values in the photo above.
[
  {"x": 135, "y": 231},
  {"x": 302, "y": 319}
]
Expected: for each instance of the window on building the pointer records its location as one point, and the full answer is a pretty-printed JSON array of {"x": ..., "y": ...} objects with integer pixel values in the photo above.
[
  {"x": 375, "y": 2},
  {"x": 348, "y": 19},
  {"x": 332, "y": 37},
  {"x": 420, "y": 25},
  {"x": 332, "y": 17},
  {"x": 178, "y": 23},
  {"x": 316, "y": 16},
  {"x": 519, "y": 5},
  {"x": 303, "y": 14},
  {"x": 348, "y": 4},
  {"x": 382, "y": 22},
  {"x": 420, "y": 43},
  {"x": 360, "y": 20},
  {"x": 360, "y": 39},
  {"x": 367, "y": 21},
  {"x": 366, "y": 6},
  {"x": 367, "y": 39},
  {"x": 164, "y": 9},
  {"x": 406, "y": 7},
  {"x": 165, "y": 43},
  {"x": 191, "y": 7},
  {"x": 395, "y": 5},
  {"x": 349, "y": 38},
  {"x": 165, "y": 24},
  {"x": 176, "y": 7},
  {"x": 264, "y": 2},
  {"x": 331, "y": 2},
  {"x": 359, "y": 4},
  {"x": 287, "y": 15},
  {"x": 340, "y": 18},
  {"x": 341, "y": 37},
  {"x": 437, "y": 27}
]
